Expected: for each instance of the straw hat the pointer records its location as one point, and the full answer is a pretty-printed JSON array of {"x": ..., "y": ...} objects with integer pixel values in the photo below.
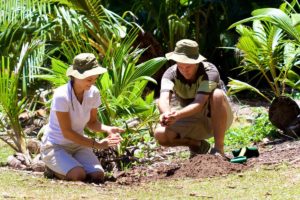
[
  {"x": 186, "y": 51},
  {"x": 85, "y": 65}
]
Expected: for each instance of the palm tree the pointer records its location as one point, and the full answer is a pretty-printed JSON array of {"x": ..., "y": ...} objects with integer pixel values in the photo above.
[
  {"x": 22, "y": 50},
  {"x": 285, "y": 18},
  {"x": 270, "y": 47}
]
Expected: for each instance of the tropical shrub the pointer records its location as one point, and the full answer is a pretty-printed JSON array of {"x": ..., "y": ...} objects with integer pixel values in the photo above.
[
  {"x": 22, "y": 50},
  {"x": 51, "y": 33},
  {"x": 251, "y": 131},
  {"x": 270, "y": 48},
  {"x": 111, "y": 39}
]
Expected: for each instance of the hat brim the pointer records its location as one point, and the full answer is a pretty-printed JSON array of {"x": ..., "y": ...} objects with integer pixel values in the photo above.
[
  {"x": 184, "y": 59},
  {"x": 75, "y": 73}
]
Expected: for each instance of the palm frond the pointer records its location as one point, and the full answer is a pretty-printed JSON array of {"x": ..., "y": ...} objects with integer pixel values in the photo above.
[
  {"x": 11, "y": 106},
  {"x": 238, "y": 86}
]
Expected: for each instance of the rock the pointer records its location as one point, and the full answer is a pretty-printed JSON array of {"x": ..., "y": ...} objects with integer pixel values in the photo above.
[
  {"x": 37, "y": 164},
  {"x": 34, "y": 146},
  {"x": 12, "y": 161},
  {"x": 134, "y": 122},
  {"x": 265, "y": 140}
]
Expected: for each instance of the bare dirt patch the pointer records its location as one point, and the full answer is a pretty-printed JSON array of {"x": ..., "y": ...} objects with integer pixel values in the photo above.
[{"x": 203, "y": 166}]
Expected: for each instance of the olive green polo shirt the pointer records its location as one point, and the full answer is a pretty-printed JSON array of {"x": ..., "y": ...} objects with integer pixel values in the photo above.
[{"x": 207, "y": 79}]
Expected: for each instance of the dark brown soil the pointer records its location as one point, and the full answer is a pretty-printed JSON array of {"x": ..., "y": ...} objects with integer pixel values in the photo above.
[
  {"x": 207, "y": 166},
  {"x": 203, "y": 166}
]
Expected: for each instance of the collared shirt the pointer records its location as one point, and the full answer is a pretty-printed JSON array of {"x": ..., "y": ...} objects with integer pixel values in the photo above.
[
  {"x": 207, "y": 79},
  {"x": 64, "y": 100}
]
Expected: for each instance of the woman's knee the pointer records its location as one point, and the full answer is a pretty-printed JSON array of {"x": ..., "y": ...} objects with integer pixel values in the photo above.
[
  {"x": 96, "y": 176},
  {"x": 76, "y": 174}
]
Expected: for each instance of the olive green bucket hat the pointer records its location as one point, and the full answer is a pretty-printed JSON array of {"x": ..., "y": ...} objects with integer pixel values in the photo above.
[
  {"x": 186, "y": 51},
  {"x": 85, "y": 65}
]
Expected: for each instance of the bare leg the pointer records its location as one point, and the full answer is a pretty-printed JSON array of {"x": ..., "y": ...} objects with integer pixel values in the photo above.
[
  {"x": 96, "y": 177},
  {"x": 218, "y": 118},
  {"x": 168, "y": 138},
  {"x": 76, "y": 174}
]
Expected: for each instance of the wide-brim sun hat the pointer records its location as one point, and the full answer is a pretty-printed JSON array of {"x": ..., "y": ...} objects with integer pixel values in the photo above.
[
  {"x": 186, "y": 51},
  {"x": 85, "y": 65}
]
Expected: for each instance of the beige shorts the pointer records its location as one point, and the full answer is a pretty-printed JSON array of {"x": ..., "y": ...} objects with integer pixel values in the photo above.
[
  {"x": 198, "y": 127},
  {"x": 62, "y": 158}
]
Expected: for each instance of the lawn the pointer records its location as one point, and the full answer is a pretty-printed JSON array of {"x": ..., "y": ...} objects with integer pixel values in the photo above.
[{"x": 272, "y": 182}]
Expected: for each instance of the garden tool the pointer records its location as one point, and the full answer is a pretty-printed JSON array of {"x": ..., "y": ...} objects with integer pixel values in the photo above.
[
  {"x": 240, "y": 158},
  {"x": 241, "y": 155}
]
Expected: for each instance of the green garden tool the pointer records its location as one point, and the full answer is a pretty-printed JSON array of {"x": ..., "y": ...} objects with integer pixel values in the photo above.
[{"x": 241, "y": 155}]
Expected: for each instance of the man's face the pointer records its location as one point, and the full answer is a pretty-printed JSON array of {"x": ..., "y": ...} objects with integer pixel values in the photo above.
[{"x": 188, "y": 70}]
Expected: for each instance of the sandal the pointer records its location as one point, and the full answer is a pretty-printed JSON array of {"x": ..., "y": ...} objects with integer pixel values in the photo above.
[
  {"x": 48, "y": 173},
  {"x": 214, "y": 151},
  {"x": 202, "y": 148}
]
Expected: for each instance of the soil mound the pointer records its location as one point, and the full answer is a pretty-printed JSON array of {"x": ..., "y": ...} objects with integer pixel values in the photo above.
[
  {"x": 203, "y": 166},
  {"x": 200, "y": 166}
]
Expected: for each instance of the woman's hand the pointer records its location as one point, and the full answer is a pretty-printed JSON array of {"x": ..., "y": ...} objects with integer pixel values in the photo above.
[
  {"x": 110, "y": 141},
  {"x": 113, "y": 130}
]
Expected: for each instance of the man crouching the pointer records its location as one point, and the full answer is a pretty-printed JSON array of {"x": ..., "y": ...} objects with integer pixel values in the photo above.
[{"x": 205, "y": 111}]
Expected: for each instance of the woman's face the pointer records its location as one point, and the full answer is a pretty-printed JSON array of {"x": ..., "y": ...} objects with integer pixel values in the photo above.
[
  {"x": 86, "y": 84},
  {"x": 188, "y": 70}
]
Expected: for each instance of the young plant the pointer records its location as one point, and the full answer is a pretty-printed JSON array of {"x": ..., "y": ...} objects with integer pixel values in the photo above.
[
  {"x": 270, "y": 48},
  {"x": 244, "y": 135},
  {"x": 11, "y": 107},
  {"x": 122, "y": 87},
  {"x": 12, "y": 102}
]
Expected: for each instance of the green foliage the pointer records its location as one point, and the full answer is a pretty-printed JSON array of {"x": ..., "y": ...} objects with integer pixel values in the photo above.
[
  {"x": 270, "y": 49},
  {"x": 69, "y": 28},
  {"x": 11, "y": 101},
  {"x": 22, "y": 51},
  {"x": 136, "y": 139},
  {"x": 111, "y": 39},
  {"x": 20, "y": 28},
  {"x": 177, "y": 29},
  {"x": 122, "y": 87},
  {"x": 11, "y": 107},
  {"x": 296, "y": 95},
  {"x": 5, "y": 151},
  {"x": 244, "y": 135}
]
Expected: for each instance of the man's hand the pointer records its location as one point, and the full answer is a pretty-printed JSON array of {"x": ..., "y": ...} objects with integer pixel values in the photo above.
[{"x": 168, "y": 118}]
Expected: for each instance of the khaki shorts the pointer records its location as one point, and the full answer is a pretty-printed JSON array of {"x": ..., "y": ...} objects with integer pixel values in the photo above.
[
  {"x": 62, "y": 158},
  {"x": 198, "y": 127}
]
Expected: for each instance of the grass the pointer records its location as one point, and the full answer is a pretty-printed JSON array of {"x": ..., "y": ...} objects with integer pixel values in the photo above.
[
  {"x": 272, "y": 182},
  {"x": 262, "y": 183},
  {"x": 5, "y": 151},
  {"x": 249, "y": 185},
  {"x": 247, "y": 130}
]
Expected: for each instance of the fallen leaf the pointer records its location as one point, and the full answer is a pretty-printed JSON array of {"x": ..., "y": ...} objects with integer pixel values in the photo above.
[
  {"x": 268, "y": 194},
  {"x": 193, "y": 194}
]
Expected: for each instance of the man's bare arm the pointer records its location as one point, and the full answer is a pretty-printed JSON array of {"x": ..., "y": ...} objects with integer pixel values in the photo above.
[
  {"x": 164, "y": 102},
  {"x": 189, "y": 110}
]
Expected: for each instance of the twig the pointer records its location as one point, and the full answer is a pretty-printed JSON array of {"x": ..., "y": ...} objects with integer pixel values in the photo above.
[{"x": 294, "y": 161}]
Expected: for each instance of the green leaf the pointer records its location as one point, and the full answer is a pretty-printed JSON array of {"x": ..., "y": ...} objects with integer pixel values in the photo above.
[
  {"x": 184, "y": 2},
  {"x": 237, "y": 86}
]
